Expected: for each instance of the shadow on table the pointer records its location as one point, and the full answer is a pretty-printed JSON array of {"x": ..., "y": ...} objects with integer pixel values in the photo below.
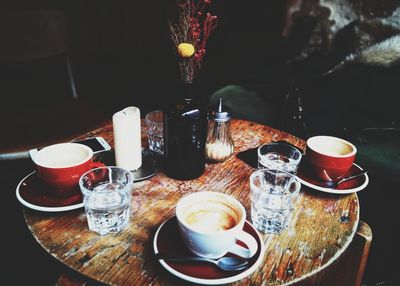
[{"x": 26, "y": 262}]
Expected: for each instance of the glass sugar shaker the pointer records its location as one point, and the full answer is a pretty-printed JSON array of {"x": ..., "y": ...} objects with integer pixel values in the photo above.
[{"x": 219, "y": 143}]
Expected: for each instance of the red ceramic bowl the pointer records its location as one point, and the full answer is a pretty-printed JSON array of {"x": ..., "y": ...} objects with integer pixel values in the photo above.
[
  {"x": 330, "y": 158},
  {"x": 60, "y": 166}
]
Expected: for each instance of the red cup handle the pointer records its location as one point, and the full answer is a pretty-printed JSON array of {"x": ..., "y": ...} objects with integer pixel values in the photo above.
[
  {"x": 96, "y": 165},
  {"x": 95, "y": 175}
]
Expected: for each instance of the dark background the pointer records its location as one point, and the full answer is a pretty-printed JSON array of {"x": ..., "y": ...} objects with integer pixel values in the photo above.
[
  {"x": 121, "y": 55},
  {"x": 121, "y": 49}
]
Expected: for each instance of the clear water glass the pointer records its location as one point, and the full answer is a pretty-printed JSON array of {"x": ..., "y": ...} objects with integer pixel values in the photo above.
[
  {"x": 273, "y": 195},
  {"x": 279, "y": 155},
  {"x": 154, "y": 124},
  {"x": 107, "y": 193}
]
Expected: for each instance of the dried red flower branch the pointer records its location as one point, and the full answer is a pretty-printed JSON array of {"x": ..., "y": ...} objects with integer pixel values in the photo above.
[{"x": 190, "y": 35}]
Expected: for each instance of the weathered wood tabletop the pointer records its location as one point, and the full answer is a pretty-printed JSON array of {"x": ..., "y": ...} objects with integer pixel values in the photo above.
[{"x": 316, "y": 237}]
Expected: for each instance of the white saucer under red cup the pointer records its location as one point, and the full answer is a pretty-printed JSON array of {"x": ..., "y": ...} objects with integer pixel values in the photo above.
[
  {"x": 307, "y": 178},
  {"x": 32, "y": 193}
]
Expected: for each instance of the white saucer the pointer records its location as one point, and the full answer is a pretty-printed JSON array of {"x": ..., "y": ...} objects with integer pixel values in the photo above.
[
  {"x": 351, "y": 186},
  {"x": 30, "y": 194},
  {"x": 167, "y": 240}
]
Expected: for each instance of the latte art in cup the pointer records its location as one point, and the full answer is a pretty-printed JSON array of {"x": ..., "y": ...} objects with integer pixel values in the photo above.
[
  {"x": 331, "y": 147},
  {"x": 63, "y": 155},
  {"x": 211, "y": 216},
  {"x": 210, "y": 223}
]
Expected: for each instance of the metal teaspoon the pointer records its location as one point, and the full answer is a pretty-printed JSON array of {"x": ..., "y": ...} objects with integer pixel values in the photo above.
[
  {"x": 334, "y": 185},
  {"x": 224, "y": 263}
]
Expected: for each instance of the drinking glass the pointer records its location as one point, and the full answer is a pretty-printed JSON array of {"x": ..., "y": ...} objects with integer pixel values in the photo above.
[
  {"x": 107, "y": 193},
  {"x": 279, "y": 155},
  {"x": 273, "y": 195},
  {"x": 154, "y": 123}
]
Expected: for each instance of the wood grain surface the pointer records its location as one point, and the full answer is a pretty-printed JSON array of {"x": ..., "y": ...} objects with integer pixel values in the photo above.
[{"x": 316, "y": 237}]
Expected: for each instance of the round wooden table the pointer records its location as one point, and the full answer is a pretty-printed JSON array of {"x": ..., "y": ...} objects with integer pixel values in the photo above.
[{"x": 316, "y": 237}]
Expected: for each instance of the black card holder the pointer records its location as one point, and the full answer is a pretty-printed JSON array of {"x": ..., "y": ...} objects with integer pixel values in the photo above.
[{"x": 249, "y": 157}]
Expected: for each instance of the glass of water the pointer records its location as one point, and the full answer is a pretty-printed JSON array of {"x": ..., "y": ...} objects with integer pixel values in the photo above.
[
  {"x": 279, "y": 155},
  {"x": 107, "y": 193},
  {"x": 273, "y": 195},
  {"x": 154, "y": 124}
]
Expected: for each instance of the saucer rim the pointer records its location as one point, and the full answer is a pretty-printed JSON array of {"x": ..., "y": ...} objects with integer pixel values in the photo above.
[
  {"x": 337, "y": 191},
  {"x": 149, "y": 171},
  {"x": 205, "y": 281},
  {"x": 42, "y": 208}
]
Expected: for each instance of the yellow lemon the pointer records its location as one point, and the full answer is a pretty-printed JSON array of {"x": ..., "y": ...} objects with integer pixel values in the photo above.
[{"x": 185, "y": 50}]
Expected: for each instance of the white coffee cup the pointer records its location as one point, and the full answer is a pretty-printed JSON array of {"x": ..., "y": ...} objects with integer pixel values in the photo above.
[{"x": 210, "y": 223}]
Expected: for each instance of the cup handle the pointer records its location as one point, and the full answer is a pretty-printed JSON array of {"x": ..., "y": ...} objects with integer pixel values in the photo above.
[
  {"x": 96, "y": 165},
  {"x": 249, "y": 241},
  {"x": 95, "y": 176}
]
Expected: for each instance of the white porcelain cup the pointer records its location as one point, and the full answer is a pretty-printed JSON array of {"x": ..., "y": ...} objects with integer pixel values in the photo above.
[{"x": 210, "y": 223}]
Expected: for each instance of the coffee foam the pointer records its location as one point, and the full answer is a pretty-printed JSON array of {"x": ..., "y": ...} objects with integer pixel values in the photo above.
[
  {"x": 210, "y": 216},
  {"x": 330, "y": 146},
  {"x": 335, "y": 149},
  {"x": 62, "y": 155}
]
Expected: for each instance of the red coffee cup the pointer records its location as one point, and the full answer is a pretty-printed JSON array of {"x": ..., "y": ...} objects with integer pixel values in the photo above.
[
  {"x": 60, "y": 166},
  {"x": 330, "y": 158}
]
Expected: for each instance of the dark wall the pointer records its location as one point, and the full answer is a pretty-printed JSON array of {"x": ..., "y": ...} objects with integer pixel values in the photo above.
[
  {"x": 134, "y": 38},
  {"x": 122, "y": 49},
  {"x": 126, "y": 44}
]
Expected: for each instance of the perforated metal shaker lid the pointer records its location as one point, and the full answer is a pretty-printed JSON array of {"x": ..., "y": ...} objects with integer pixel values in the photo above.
[{"x": 220, "y": 112}]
